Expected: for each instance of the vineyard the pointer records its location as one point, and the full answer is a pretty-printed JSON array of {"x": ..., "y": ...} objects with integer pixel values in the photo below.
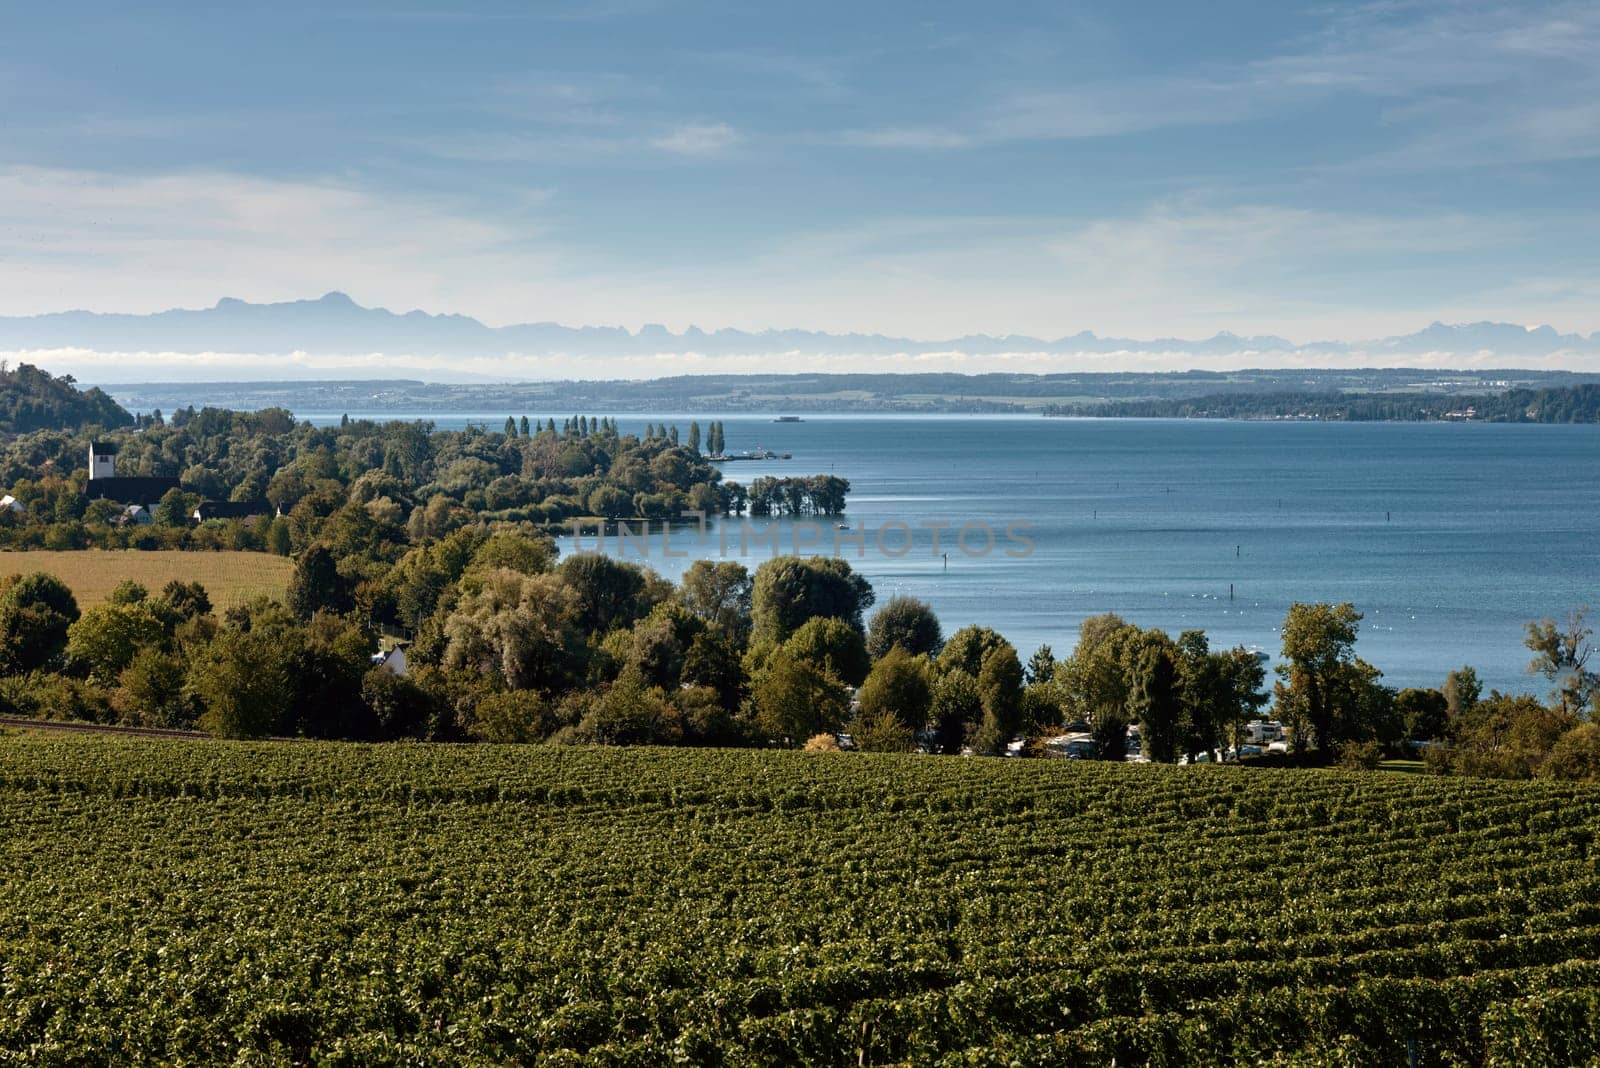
[{"x": 208, "y": 903}]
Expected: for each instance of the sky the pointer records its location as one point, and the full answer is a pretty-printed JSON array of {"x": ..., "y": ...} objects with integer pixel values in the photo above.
[{"x": 922, "y": 169}]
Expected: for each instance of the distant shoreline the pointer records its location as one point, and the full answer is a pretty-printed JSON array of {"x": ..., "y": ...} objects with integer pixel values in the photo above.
[{"x": 1395, "y": 395}]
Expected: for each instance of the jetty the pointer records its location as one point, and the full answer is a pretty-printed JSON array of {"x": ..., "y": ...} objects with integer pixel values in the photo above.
[{"x": 757, "y": 453}]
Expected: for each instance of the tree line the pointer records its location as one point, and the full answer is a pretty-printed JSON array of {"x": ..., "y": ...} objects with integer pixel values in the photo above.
[
  {"x": 510, "y": 645},
  {"x": 370, "y": 490},
  {"x": 1565, "y": 404},
  {"x": 813, "y": 495}
]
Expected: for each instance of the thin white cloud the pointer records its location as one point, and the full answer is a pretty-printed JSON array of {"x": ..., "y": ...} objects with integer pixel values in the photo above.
[
  {"x": 698, "y": 139},
  {"x": 916, "y": 137},
  {"x": 1480, "y": 85}
]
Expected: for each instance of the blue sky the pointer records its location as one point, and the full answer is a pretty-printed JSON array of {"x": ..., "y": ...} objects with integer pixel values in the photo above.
[{"x": 924, "y": 169}]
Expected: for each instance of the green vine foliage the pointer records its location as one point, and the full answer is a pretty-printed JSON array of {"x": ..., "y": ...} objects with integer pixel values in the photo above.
[{"x": 315, "y": 903}]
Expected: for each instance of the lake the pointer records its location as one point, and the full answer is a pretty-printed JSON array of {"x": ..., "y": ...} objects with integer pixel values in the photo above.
[{"x": 1448, "y": 537}]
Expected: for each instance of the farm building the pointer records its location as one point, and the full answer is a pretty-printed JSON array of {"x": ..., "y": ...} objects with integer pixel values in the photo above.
[
  {"x": 209, "y": 510},
  {"x": 394, "y": 661}
]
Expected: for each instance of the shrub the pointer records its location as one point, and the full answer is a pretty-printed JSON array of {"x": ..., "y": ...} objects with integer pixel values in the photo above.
[
  {"x": 882, "y": 732},
  {"x": 1575, "y": 757},
  {"x": 1360, "y": 756}
]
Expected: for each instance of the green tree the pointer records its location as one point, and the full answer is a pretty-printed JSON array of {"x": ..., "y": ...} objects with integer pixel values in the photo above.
[
  {"x": 1461, "y": 691},
  {"x": 1319, "y": 645},
  {"x": 521, "y": 631},
  {"x": 513, "y": 551},
  {"x": 173, "y": 510},
  {"x": 610, "y": 593},
  {"x": 316, "y": 585},
  {"x": 1041, "y": 666},
  {"x": 1155, "y": 699},
  {"x": 609, "y": 502},
  {"x": 789, "y": 590},
  {"x": 153, "y": 691},
  {"x": 1425, "y": 714},
  {"x": 106, "y": 638},
  {"x": 794, "y": 700},
  {"x": 513, "y": 716},
  {"x": 1508, "y": 737},
  {"x": 719, "y": 592},
  {"x": 956, "y": 711},
  {"x": 832, "y": 645},
  {"x": 1094, "y": 681},
  {"x": 332, "y": 660},
  {"x": 127, "y": 592},
  {"x": 712, "y": 662},
  {"x": 660, "y": 642},
  {"x": 694, "y": 437},
  {"x": 881, "y": 732},
  {"x": 1575, "y": 757},
  {"x": 511, "y": 427},
  {"x": 899, "y": 688},
  {"x": 397, "y": 707},
  {"x": 1561, "y": 654},
  {"x": 630, "y": 712},
  {"x": 968, "y": 648},
  {"x": 185, "y": 600},
  {"x": 905, "y": 622},
  {"x": 1000, "y": 690},
  {"x": 1221, "y": 691},
  {"x": 36, "y": 611},
  {"x": 244, "y": 682},
  {"x": 278, "y": 539}
]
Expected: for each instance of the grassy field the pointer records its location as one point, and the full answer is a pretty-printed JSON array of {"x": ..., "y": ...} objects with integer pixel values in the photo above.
[
  {"x": 230, "y": 578},
  {"x": 211, "y": 902}
]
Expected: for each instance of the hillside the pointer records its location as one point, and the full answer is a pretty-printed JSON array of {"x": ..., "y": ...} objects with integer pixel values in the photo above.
[
  {"x": 313, "y": 902},
  {"x": 31, "y": 399}
]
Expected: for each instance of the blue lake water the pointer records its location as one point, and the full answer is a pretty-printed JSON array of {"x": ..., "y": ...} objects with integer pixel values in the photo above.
[{"x": 1449, "y": 538}]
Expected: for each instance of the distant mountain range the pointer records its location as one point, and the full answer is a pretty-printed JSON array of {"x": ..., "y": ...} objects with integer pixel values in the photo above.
[{"x": 337, "y": 325}]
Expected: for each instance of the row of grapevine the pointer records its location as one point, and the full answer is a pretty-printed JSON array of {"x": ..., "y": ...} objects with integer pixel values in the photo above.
[{"x": 176, "y": 902}]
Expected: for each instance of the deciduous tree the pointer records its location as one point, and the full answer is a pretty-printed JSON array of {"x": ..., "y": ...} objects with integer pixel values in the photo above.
[{"x": 905, "y": 622}]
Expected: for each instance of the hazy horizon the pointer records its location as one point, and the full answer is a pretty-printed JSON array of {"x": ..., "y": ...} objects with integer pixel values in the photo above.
[
  {"x": 333, "y": 336},
  {"x": 915, "y": 170}
]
